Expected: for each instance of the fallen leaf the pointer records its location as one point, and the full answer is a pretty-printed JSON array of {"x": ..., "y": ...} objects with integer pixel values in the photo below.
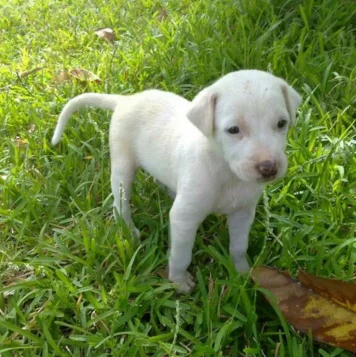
[
  {"x": 338, "y": 291},
  {"x": 62, "y": 77},
  {"x": 107, "y": 34},
  {"x": 307, "y": 311},
  {"x": 29, "y": 72},
  {"x": 163, "y": 273},
  {"x": 84, "y": 75},
  {"x": 19, "y": 142},
  {"x": 162, "y": 15},
  {"x": 31, "y": 128}
]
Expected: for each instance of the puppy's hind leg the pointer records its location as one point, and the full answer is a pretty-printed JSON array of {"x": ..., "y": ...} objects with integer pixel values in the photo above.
[{"x": 122, "y": 174}]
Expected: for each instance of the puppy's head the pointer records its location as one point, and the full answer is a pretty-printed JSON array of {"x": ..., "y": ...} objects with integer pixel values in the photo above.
[{"x": 248, "y": 114}]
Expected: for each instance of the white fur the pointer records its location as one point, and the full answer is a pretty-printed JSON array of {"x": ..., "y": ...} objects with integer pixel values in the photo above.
[{"x": 185, "y": 145}]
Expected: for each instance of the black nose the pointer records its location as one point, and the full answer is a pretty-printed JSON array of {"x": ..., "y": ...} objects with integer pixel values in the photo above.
[{"x": 267, "y": 168}]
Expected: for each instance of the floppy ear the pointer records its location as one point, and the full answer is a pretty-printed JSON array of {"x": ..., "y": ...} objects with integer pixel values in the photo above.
[
  {"x": 293, "y": 100},
  {"x": 202, "y": 112}
]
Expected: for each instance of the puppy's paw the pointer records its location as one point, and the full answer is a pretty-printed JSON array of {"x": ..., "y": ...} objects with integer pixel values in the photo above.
[
  {"x": 136, "y": 233},
  {"x": 242, "y": 265},
  {"x": 184, "y": 284}
]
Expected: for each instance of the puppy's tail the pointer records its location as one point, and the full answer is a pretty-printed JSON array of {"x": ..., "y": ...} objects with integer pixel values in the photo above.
[{"x": 105, "y": 101}]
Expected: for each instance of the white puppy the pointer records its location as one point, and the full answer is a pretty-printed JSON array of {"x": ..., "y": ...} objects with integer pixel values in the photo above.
[{"x": 216, "y": 153}]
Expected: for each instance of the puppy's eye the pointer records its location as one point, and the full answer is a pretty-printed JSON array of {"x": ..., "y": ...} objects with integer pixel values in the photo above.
[
  {"x": 282, "y": 123},
  {"x": 233, "y": 130}
]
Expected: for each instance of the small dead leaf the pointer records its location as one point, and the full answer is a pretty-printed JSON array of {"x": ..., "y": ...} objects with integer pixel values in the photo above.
[
  {"x": 162, "y": 15},
  {"x": 93, "y": 316},
  {"x": 62, "y": 77},
  {"x": 163, "y": 273},
  {"x": 307, "y": 311},
  {"x": 14, "y": 274},
  {"x": 29, "y": 72},
  {"x": 19, "y": 142},
  {"x": 31, "y": 128},
  {"x": 84, "y": 75},
  {"x": 107, "y": 34}
]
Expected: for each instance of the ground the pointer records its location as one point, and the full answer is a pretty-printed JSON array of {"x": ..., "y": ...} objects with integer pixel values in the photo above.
[{"x": 74, "y": 282}]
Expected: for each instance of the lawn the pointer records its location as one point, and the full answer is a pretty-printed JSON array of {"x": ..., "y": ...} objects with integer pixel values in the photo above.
[{"x": 73, "y": 281}]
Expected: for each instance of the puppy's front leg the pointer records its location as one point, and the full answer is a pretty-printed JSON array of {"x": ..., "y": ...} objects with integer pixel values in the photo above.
[
  {"x": 184, "y": 222},
  {"x": 239, "y": 224}
]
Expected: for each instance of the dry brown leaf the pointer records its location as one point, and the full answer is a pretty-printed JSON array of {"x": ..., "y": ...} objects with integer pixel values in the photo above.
[
  {"x": 62, "y": 77},
  {"x": 19, "y": 142},
  {"x": 338, "y": 291},
  {"x": 308, "y": 311},
  {"x": 83, "y": 75},
  {"x": 31, "y": 128},
  {"x": 162, "y": 15},
  {"x": 107, "y": 34},
  {"x": 163, "y": 273},
  {"x": 29, "y": 72}
]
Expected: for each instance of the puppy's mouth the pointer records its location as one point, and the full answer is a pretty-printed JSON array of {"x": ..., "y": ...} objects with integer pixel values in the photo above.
[
  {"x": 268, "y": 179},
  {"x": 251, "y": 175},
  {"x": 259, "y": 178}
]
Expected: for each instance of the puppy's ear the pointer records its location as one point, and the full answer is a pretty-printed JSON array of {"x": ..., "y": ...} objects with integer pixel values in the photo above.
[
  {"x": 202, "y": 112},
  {"x": 293, "y": 100}
]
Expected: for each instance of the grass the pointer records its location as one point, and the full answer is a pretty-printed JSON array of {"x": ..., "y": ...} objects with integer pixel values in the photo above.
[{"x": 73, "y": 282}]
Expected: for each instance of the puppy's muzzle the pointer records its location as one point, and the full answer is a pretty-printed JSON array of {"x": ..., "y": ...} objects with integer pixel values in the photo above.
[{"x": 267, "y": 169}]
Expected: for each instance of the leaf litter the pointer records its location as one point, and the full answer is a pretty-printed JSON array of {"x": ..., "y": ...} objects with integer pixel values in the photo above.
[
  {"x": 80, "y": 74},
  {"x": 107, "y": 34},
  {"x": 324, "y": 307}
]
